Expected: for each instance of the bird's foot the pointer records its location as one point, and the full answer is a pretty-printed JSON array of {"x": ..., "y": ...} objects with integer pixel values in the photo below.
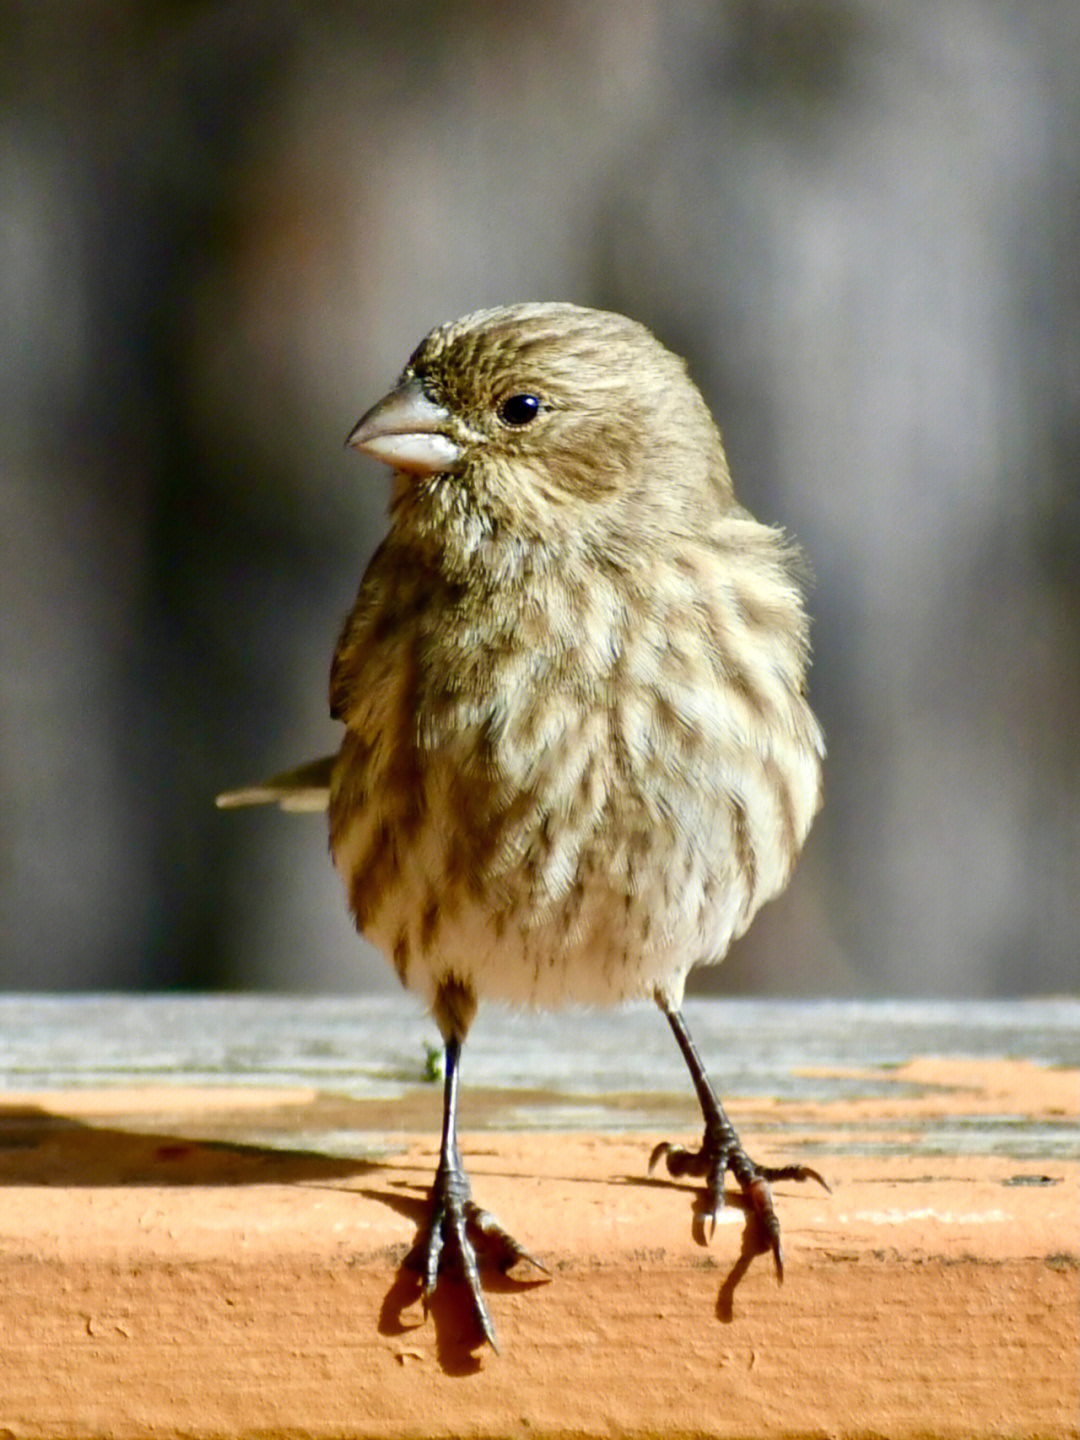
[
  {"x": 447, "y": 1243},
  {"x": 721, "y": 1151}
]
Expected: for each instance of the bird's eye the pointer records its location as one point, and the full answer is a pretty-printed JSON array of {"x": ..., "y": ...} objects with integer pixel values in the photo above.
[{"x": 518, "y": 410}]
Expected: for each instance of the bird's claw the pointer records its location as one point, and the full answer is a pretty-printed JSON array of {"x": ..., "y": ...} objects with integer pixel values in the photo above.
[
  {"x": 679, "y": 1160},
  {"x": 713, "y": 1161},
  {"x": 508, "y": 1251},
  {"x": 447, "y": 1243}
]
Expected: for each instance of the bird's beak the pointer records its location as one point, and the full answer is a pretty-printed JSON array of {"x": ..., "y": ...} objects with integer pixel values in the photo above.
[{"x": 407, "y": 430}]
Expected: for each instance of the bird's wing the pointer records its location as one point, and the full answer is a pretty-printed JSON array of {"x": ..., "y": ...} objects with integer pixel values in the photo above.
[{"x": 305, "y": 788}]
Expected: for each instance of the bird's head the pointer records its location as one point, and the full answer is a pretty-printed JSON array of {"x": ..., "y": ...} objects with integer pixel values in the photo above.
[{"x": 532, "y": 424}]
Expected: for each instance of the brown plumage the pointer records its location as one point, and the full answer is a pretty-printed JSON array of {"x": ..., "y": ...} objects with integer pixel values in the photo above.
[{"x": 578, "y": 754}]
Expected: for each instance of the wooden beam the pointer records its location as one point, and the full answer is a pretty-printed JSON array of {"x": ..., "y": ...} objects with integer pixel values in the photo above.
[{"x": 215, "y": 1246}]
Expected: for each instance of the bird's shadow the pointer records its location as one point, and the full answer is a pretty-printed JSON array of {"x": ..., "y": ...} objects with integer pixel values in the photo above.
[
  {"x": 754, "y": 1240},
  {"x": 41, "y": 1147}
]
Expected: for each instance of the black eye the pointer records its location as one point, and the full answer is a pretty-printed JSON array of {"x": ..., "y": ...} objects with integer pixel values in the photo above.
[{"x": 519, "y": 409}]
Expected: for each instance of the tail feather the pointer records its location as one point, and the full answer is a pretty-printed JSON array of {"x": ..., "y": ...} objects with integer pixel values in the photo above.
[{"x": 307, "y": 788}]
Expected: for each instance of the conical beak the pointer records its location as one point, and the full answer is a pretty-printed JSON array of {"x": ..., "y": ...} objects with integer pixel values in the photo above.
[{"x": 408, "y": 431}]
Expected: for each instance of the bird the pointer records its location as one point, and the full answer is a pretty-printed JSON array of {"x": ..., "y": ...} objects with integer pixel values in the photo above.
[{"x": 577, "y": 753}]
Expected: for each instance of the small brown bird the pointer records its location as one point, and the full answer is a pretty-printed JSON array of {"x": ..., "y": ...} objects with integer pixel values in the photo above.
[{"x": 578, "y": 754}]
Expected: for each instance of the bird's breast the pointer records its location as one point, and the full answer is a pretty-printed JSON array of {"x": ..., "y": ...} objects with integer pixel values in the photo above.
[{"x": 569, "y": 806}]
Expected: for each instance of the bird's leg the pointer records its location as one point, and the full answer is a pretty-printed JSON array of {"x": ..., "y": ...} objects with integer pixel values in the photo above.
[
  {"x": 721, "y": 1151},
  {"x": 454, "y": 1214}
]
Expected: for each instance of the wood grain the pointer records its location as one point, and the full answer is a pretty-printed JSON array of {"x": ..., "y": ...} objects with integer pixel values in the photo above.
[{"x": 228, "y": 1259}]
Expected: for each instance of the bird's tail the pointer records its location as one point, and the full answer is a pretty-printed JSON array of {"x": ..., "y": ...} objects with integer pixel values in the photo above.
[{"x": 305, "y": 788}]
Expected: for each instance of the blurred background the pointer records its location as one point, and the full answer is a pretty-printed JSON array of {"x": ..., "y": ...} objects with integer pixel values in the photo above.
[{"x": 223, "y": 227}]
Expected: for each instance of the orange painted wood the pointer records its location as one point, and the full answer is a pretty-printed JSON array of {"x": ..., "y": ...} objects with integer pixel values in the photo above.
[{"x": 203, "y": 1260}]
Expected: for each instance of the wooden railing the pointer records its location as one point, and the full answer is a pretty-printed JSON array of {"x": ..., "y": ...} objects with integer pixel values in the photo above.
[{"x": 207, "y": 1206}]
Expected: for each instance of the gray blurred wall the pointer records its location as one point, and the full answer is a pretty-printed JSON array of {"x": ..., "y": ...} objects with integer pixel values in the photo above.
[{"x": 223, "y": 228}]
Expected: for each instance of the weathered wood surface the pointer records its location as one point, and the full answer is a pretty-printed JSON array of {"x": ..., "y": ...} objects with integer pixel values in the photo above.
[{"x": 206, "y": 1205}]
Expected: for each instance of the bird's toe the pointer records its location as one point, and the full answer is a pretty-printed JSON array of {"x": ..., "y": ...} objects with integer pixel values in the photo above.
[{"x": 719, "y": 1155}]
